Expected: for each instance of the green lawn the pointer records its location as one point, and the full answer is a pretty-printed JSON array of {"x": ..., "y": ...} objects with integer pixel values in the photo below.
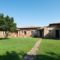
[
  {"x": 15, "y": 48},
  {"x": 49, "y": 50}
]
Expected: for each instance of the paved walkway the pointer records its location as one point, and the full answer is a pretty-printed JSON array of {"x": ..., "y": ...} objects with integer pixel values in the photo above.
[{"x": 31, "y": 54}]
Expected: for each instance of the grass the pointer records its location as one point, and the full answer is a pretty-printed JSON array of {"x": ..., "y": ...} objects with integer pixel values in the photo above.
[
  {"x": 49, "y": 50},
  {"x": 15, "y": 48}
]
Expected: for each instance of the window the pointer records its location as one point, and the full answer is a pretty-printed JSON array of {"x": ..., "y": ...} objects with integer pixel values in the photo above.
[{"x": 25, "y": 32}]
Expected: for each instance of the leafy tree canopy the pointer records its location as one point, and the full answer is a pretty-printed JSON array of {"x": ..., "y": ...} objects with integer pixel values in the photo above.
[{"x": 7, "y": 23}]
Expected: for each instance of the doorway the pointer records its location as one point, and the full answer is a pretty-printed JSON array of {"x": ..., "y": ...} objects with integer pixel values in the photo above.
[
  {"x": 57, "y": 34},
  {"x": 41, "y": 33}
]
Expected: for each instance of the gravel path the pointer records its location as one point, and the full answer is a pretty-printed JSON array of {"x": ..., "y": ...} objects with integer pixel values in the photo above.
[{"x": 31, "y": 54}]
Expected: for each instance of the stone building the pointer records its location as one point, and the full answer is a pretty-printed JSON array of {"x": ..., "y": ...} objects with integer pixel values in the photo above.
[
  {"x": 50, "y": 31},
  {"x": 54, "y": 30},
  {"x": 28, "y": 32}
]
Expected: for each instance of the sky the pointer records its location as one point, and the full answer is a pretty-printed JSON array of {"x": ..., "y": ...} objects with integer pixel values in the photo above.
[{"x": 32, "y": 12}]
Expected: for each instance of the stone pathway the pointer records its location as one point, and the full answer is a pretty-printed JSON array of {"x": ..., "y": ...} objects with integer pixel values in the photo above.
[{"x": 31, "y": 54}]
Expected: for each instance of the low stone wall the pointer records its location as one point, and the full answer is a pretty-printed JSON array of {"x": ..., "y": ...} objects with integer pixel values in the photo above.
[
  {"x": 10, "y": 34},
  {"x": 2, "y": 34}
]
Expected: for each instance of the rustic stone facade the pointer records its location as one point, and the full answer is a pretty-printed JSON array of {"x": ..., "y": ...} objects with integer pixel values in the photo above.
[
  {"x": 26, "y": 32},
  {"x": 2, "y": 34},
  {"x": 51, "y": 31}
]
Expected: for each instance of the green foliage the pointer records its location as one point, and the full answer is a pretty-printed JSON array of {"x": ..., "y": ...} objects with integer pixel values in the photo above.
[{"x": 7, "y": 23}]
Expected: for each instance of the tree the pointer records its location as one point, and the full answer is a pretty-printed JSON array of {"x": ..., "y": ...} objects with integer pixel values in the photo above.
[{"x": 7, "y": 24}]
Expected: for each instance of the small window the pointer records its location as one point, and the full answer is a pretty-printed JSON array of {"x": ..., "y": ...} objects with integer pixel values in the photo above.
[{"x": 25, "y": 32}]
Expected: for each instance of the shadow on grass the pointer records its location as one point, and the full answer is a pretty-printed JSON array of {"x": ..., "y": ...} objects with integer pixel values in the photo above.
[
  {"x": 48, "y": 56},
  {"x": 51, "y": 38},
  {"x": 13, "y": 56},
  {"x": 4, "y": 38},
  {"x": 20, "y": 56}
]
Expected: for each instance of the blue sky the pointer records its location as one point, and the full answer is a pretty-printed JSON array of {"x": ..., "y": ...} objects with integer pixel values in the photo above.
[{"x": 32, "y": 12}]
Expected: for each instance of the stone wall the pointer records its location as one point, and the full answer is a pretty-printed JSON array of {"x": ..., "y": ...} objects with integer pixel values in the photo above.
[
  {"x": 12, "y": 34},
  {"x": 24, "y": 33},
  {"x": 49, "y": 32},
  {"x": 2, "y": 34}
]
